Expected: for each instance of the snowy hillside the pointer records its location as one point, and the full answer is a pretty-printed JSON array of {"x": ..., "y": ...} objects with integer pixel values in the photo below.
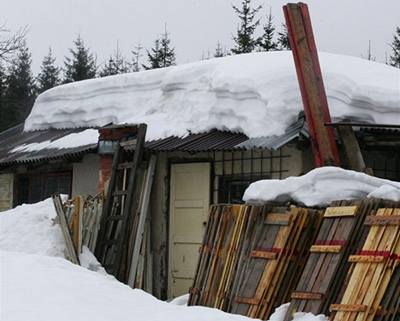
[{"x": 239, "y": 93}]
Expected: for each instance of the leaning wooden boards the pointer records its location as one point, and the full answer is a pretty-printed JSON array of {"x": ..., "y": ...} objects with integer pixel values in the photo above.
[{"x": 247, "y": 263}]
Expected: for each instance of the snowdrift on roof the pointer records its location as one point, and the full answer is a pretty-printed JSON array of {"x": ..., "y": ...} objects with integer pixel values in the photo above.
[
  {"x": 256, "y": 94},
  {"x": 321, "y": 186}
]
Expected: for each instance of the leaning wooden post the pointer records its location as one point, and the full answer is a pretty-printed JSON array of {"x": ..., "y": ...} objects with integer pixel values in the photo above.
[{"x": 311, "y": 84}]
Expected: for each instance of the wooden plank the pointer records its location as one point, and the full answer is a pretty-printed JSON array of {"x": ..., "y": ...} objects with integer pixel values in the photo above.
[
  {"x": 340, "y": 211},
  {"x": 142, "y": 220},
  {"x": 382, "y": 220},
  {"x": 349, "y": 307},
  {"x": 306, "y": 295},
  {"x": 326, "y": 248},
  {"x": 251, "y": 301},
  {"x": 71, "y": 253},
  {"x": 263, "y": 255},
  {"x": 278, "y": 219},
  {"x": 367, "y": 259}
]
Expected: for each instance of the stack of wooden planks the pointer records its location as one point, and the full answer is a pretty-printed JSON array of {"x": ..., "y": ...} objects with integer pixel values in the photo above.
[
  {"x": 252, "y": 256},
  {"x": 325, "y": 276},
  {"x": 372, "y": 290},
  {"x": 80, "y": 222}
]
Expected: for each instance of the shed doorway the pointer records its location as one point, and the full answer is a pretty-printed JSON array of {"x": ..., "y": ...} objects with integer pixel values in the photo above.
[{"x": 189, "y": 203}]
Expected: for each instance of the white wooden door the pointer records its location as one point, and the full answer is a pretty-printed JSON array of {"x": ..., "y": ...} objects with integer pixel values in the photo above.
[{"x": 189, "y": 202}]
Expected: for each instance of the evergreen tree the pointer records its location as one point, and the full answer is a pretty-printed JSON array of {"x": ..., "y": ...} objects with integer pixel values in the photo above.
[
  {"x": 266, "y": 41},
  {"x": 369, "y": 53},
  {"x": 115, "y": 65},
  {"x": 394, "y": 59},
  {"x": 244, "y": 39},
  {"x": 49, "y": 75},
  {"x": 283, "y": 38},
  {"x": 136, "y": 55},
  {"x": 219, "y": 51},
  {"x": 19, "y": 95},
  {"x": 162, "y": 54},
  {"x": 81, "y": 65},
  {"x": 3, "y": 88}
]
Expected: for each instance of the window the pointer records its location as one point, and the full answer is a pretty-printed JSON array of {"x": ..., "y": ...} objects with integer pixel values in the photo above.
[
  {"x": 232, "y": 188},
  {"x": 32, "y": 188}
]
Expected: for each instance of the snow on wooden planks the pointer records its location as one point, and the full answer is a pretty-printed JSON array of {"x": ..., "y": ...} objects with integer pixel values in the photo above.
[{"x": 251, "y": 257}]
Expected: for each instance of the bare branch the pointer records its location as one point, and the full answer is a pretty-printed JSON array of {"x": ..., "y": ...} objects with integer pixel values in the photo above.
[{"x": 10, "y": 43}]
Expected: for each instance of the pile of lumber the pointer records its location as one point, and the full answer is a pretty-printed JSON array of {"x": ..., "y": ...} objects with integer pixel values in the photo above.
[
  {"x": 372, "y": 289},
  {"x": 326, "y": 278},
  {"x": 80, "y": 222},
  {"x": 252, "y": 256}
]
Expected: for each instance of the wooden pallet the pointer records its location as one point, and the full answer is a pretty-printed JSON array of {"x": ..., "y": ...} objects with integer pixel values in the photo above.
[
  {"x": 246, "y": 256},
  {"x": 372, "y": 270},
  {"x": 326, "y": 268}
]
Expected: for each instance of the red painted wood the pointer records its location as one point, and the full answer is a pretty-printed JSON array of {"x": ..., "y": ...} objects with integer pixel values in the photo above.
[{"x": 311, "y": 84}]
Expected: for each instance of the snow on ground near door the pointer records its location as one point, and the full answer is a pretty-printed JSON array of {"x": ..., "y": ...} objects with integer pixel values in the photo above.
[
  {"x": 239, "y": 93},
  {"x": 38, "y": 284},
  {"x": 322, "y": 186}
]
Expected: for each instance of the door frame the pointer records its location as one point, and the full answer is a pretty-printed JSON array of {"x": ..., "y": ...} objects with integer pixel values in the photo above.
[{"x": 169, "y": 227}]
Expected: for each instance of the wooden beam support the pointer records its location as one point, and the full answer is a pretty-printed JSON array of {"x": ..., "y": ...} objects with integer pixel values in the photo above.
[{"x": 311, "y": 84}]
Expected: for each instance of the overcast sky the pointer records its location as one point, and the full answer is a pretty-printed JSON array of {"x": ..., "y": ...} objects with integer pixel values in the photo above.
[{"x": 340, "y": 26}]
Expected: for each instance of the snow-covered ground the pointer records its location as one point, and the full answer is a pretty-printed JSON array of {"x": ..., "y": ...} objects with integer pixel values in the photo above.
[
  {"x": 38, "y": 284},
  {"x": 239, "y": 93},
  {"x": 322, "y": 186}
]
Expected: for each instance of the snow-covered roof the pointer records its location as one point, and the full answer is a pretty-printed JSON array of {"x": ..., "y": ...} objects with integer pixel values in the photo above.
[
  {"x": 256, "y": 94},
  {"x": 321, "y": 186}
]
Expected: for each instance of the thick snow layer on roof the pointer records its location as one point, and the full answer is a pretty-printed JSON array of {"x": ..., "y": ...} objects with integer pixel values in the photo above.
[
  {"x": 322, "y": 186},
  {"x": 86, "y": 137},
  {"x": 257, "y": 94}
]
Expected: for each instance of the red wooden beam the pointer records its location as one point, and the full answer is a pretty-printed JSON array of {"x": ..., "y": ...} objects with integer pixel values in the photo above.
[{"x": 312, "y": 89}]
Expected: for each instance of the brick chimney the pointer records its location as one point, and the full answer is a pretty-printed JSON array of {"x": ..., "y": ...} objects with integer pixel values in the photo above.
[{"x": 109, "y": 137}]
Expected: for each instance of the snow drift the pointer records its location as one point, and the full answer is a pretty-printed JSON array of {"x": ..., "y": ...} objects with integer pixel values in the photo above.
[
  {"x": 239, "y": 93},
  {"x": 31, "y": 229},
  {"x": 322, "y": 186}
]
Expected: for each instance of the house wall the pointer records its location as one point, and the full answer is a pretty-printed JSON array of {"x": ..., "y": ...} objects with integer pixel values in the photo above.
[
  {"x": 85, "y": 175},
  {"x": 282, "y": 163},
  {"x": 6, "y": 191}
]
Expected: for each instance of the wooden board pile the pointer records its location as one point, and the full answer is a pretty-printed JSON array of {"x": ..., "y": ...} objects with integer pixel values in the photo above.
[
  {"x": 80, "y": 222},
  {"x": 325, "y": 277},
  {"x": 251, "y": 257},
  {"x": 372, "y": 289}
]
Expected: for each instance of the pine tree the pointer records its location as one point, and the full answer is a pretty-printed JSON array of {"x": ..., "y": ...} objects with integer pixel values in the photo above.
[
  {"x": 266, "y": 41},
  {"x": 167, "y": 52},
  {"x": 49, "y": 75},
  {"x": 162, "y": 54},
  {"x": 81, "y": 65},
  {"x": 394, "y": 59},
  {"x": 283, "y": 38},
  {"x": 219, "y": 51},
  {"x": 3, "y": 106},
  {"x": 20, "y": 92},
  {"x": 115, "y": 65},
  {"x": 244, "y": 39},
  {"x": 136, "y": 55}
]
